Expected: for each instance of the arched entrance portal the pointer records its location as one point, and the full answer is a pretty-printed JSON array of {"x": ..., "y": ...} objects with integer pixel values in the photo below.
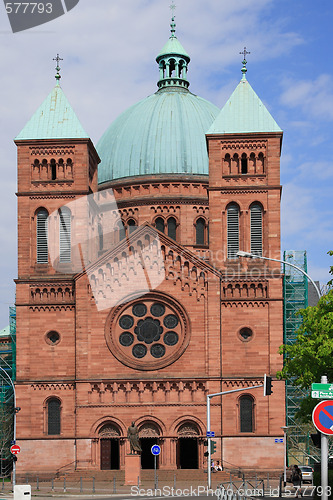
[
  {"x": 187, "y": 446},
  {"x": 109, "y": 442},
  {"x": 149, "y": 435}
]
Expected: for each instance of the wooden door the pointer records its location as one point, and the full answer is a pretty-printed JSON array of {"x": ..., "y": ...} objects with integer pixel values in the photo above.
[{"x": 105, "y": 454}]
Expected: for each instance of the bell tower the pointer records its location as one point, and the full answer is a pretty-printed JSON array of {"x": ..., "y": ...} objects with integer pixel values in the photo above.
[
  {"x": 244, "y": 147},
  {"x": 57, "y": 164}
]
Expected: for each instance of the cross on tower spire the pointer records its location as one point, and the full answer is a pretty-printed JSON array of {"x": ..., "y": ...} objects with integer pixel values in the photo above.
[
  {"x": 58, "y": 76},
  {"x": 244, "y": 62},
  {"x": 173, "y": 24}
]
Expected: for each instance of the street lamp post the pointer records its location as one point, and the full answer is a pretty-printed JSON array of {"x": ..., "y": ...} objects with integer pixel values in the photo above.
[
  {"x": 284, "y": 428},
  {"x": 249, "y": 255},
  {"x": 15, "y": 411},
  {"x": 324, "y": 452}
]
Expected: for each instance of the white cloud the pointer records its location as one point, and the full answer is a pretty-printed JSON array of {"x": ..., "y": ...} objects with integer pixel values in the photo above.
[
  {"x": 313, "y": 97},
  {"x": 109, "y": 50}
]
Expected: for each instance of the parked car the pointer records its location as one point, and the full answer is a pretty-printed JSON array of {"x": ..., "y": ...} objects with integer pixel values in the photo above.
[{"x": 307, "y": 473}]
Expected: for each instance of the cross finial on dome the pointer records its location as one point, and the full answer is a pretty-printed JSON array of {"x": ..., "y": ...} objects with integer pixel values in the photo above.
[
  {"x": 244, "y": 62},
  {"x": 173, "y": 24},
  {"x": 58, "y": 76}
]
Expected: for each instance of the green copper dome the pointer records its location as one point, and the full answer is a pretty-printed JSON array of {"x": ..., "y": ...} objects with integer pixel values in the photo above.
[
  {"x": 162, "y": 134},
  {"x": 165, "y": 132}
]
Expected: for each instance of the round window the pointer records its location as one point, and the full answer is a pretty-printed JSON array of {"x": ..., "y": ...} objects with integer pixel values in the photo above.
[
  {"x": 147, "y": 334},
  {"x": 52, "y": 338},
  {"x": 245, "y": 334}
]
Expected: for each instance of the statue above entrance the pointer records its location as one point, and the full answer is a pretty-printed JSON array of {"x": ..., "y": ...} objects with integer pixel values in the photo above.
[{"x": 133, "y": 436}]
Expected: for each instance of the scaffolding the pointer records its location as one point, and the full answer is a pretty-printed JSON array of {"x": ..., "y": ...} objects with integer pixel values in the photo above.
[
  {"x": 7, "y": 373},
  {"x": 300, "y": 447}
]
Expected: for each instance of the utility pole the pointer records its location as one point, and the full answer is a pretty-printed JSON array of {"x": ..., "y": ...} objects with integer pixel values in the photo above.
[
  {"x": 209, "y": 397},
  {"x": 324, "y": 456},
  {"x": 15, "y": 411}
]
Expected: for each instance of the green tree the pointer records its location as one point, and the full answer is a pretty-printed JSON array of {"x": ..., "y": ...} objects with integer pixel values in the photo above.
[{"x": 311, "y": 356}]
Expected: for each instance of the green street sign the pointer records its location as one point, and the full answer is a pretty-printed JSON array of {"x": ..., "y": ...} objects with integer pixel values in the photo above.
[{"x": 322, "y": 391}]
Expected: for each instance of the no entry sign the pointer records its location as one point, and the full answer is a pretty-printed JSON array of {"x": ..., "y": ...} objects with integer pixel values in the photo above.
[
  {"x": 15, "y": 449},
  {"x": 322, "y": 417}
]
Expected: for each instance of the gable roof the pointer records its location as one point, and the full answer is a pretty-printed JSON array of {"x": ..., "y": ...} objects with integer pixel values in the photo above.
[
  {"x": 244, "y": 112},
  {"x": 139, "y": 264},
  {"x": 142, "y": 230},
  {"x": 54, "y": 119}
]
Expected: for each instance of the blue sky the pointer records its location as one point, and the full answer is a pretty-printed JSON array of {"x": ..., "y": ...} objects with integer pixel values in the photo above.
[{"x": 109, "y": 49}]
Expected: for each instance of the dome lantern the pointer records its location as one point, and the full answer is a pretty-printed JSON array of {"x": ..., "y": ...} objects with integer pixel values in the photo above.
[{"x": 173, "y": 62}]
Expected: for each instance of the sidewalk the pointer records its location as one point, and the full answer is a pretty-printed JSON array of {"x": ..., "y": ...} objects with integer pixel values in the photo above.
[{"x": 88, "y": 489}]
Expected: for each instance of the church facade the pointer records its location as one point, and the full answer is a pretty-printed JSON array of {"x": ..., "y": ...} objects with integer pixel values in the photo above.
[{"x": 132, "y": 304}]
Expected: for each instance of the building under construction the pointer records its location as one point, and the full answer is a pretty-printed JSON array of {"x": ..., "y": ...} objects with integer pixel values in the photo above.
[
  {"x": 298, "y": 294},
  {"x": 7, "y": 374}
]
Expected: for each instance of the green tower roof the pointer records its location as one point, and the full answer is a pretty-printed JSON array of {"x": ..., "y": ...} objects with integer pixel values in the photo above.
[
  {"x": 5, "y": 332},
  {"x": 54, "y": 119},
  {"x": 173, "y": 46},
  {"x": 243, "y": 113}
]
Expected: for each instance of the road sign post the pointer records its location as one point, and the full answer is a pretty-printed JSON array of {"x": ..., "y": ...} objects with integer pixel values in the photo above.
[
  {"x": 15, "y": 449},
  {"x": 156, "y": 450},
  {"x": 322, "y": 417},
  {"x": 322, "y": 391}
]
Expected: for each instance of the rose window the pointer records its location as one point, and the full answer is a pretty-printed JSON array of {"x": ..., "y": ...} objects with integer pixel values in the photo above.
[{"x": 148, "y": 333}]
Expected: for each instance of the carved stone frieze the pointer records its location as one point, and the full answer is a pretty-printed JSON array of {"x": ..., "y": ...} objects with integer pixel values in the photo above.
[
  {"x": 247, "y": 290},
  {"x": 51, "y": 150},
  {"x": 109, "y": 431},
  {"x": 149, "y": 430},
  {"x": 51, "y": 293},
  {"x": 60, "y": 307},
  {"x": 52, "y": 386},
  {"x": 260, "y": 145},
  {"x": 244, "y": 304},
  {"x": 238, "y": 384},
  {"x": 188, "y": 430},
  {"x": 146, "y": 392}
]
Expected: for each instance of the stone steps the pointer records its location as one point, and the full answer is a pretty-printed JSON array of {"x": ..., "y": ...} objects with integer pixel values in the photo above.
[{"x": 199, "y": 476}]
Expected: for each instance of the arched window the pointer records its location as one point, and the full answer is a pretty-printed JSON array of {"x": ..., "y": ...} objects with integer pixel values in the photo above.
[
  {"x": 42, "y": 246},
  {"x": 159, "y": 223},
  {"x": 172, "y": 228},
  {"x": 246, "y": 407},
  {"x": 244, "y": 163},
  {"x": 131, "y": 225},
  {"x": 100, "y": 237},
  {"x": 64, "y": 235},
  {"x": 233, "y": 230},
  {"x": 121, "y": 230},
  {"x": 200, "y": 231},
  {"x": 172, "y": 67},
  {"x": 53, "y": 416},
  {"x": 256, "y": 229},
  {"x": 53, "y": 170}
]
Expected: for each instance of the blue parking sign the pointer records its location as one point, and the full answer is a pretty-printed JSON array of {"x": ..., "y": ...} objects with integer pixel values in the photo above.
[{"x": 156, "y": 450}]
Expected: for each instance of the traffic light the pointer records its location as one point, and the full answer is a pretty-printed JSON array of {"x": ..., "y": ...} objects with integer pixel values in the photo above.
[
  {"x": 268, "y": 386},
  {"x": 212, "y": 447},
  {"x": 206, "y": 444}
]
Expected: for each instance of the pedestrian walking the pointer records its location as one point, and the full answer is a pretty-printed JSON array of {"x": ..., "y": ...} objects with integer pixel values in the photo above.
[{"x": 296, "y": 479}]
